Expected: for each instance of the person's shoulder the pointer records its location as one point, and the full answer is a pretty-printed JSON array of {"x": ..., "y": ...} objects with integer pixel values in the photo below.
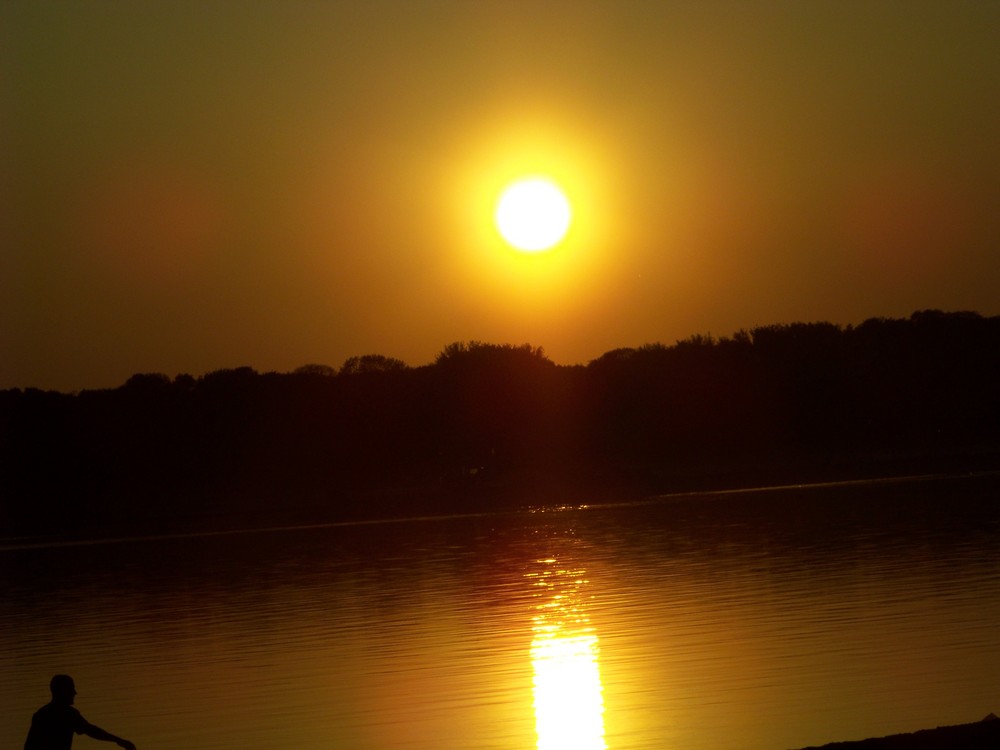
[
  {"x": 60, "y": 708},
  {"x": 59, "y": 711},
  {"x": 49, "y": 709}
]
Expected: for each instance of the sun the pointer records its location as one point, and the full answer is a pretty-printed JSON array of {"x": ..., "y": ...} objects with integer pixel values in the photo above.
[{"x": 533, "y": 214}]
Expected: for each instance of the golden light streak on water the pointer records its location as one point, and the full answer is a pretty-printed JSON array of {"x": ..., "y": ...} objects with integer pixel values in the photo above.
[{"x": 565, "y": 654}]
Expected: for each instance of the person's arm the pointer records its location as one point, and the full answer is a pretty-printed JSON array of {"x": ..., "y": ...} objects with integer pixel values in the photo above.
[{"x": 99, "y": 734}]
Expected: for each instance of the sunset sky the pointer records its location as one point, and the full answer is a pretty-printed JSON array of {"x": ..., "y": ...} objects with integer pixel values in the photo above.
[{"x": 188, "y": 186}]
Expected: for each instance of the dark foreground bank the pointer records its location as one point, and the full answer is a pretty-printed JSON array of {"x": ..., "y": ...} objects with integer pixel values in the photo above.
[{"x": 980, "y": 735}]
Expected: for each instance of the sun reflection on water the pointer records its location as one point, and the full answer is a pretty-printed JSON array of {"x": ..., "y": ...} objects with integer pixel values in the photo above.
[{"x": 569, "y": 705}]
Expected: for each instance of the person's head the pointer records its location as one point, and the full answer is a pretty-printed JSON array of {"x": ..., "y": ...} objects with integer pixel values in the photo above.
[{"x": 63, "y": 689}]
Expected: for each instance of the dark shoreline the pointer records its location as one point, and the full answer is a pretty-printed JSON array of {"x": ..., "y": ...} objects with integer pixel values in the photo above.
[
  {"x": 980, "y": 735},
  {"x": 404, "y": 506},
  {"x": 489, "y": 427}
]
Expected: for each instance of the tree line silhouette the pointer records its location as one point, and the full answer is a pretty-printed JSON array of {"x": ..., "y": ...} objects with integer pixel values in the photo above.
[{"x": 490, "y": 424}]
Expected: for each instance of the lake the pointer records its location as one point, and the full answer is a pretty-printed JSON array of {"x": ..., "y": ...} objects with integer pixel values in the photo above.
[{"x": 762, "y": 620}]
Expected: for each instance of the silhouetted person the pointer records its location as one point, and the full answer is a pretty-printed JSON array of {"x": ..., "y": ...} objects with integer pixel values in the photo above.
[{"x": 53, "y": 725}]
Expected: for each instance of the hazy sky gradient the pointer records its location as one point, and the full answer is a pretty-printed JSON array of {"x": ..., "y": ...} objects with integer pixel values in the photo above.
[{"x": 188, "y": 186}]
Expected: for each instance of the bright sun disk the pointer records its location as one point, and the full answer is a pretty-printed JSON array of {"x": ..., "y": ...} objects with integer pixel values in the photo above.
[{"x": 533, "y": 214}]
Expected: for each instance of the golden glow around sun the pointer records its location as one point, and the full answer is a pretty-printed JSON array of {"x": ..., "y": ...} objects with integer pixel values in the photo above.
[
  {"x": 533, "y": 214},
  {"x": 528, "y": 291}
]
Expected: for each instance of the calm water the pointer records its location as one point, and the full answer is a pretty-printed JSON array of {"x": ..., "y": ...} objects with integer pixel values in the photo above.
[{"x": 767, "y": 620}]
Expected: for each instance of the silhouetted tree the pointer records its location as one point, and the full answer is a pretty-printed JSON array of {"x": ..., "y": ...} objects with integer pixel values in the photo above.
[
  {"x": 371, "y": 363},
  {"x": 323, "y": 371},
  {"x": 774, "y": 402}
]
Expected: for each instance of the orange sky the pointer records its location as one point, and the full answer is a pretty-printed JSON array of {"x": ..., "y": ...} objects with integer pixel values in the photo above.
[{"x": 188, "y": 186}]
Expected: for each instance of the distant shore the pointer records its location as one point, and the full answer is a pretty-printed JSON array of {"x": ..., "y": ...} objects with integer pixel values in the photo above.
[
  {"x": 499, "y": 427},
  {"x": 223, "y": 525}
]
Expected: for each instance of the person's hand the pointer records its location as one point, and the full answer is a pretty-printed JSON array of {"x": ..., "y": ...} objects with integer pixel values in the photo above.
[{"x": 126, "y": 745}]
